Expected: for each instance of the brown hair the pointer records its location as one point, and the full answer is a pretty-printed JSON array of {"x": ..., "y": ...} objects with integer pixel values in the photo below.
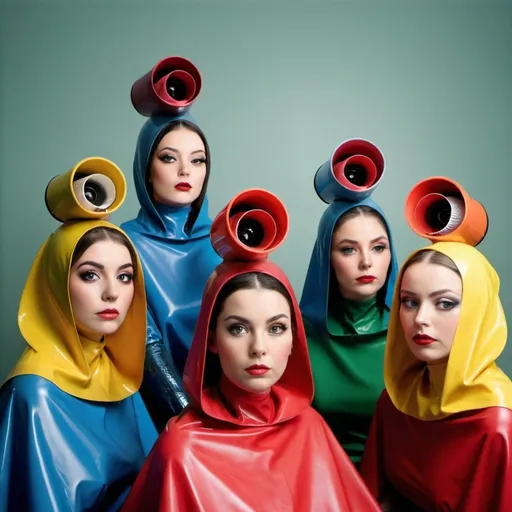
[
  {"x": 198, "y": 203},
  {"x": 434, "y": 257},
  {"x": 357, "y": 211},
  {"x": 99, "y": 234}
]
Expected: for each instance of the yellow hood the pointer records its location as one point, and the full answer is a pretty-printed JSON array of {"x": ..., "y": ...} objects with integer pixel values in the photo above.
[
  {"x": 471, "y": 378},
  {"x": 105, "y": 372}
]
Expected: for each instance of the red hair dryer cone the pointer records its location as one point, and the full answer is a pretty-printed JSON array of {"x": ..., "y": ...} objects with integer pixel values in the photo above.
[
  {"x": 253, "y": 224},
  {"x": 169, "y": 88},
  {"x": 352, "y": 173},
  {"x": 440, "y": 210}
]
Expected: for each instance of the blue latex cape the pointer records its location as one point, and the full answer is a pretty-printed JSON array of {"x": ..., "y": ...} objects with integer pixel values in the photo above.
[
  {"x": 176, "y": 265},
  {"x": 102, "y": 446},
  {"x": 314, "y": 303}
]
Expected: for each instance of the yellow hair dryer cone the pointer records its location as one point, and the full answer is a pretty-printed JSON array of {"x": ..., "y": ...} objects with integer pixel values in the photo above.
[{"x": 93, "y": 189}]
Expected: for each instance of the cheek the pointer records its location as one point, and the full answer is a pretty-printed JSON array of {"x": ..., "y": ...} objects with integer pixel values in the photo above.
[
  {"x": 384, "y": 262},
  {"x": 340, "y": 265},
  {"x": 126, "y": 296},
  {"x": 450, "y": 328},
  {"x": 405, "y": 320},
  {"x": 229, "y": 353},
  {"x": 81, "y": 296},
  {"x": 282, "y": 351},
  {"x": 160, "y": 174}
]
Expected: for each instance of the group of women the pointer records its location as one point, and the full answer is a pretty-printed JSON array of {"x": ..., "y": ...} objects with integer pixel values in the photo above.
[{"x": 169, "y": 365}]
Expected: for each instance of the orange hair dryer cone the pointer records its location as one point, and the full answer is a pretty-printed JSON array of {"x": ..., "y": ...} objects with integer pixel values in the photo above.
[
  {"x": 169, "y": 88},
  {"x": 253, "y": 224},
  {"x": 440, "y": 210}
]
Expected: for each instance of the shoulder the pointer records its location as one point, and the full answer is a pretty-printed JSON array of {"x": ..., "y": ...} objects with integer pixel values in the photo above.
[
  {"x": 175, "y": 440},
  {"x": 131, "y": 227},
  {"x": 497, "y": 422},
  {"x": 30, "y": 389}
]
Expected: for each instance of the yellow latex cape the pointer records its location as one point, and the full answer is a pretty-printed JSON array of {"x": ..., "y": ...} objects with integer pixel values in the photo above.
[
  {"x": 105, "y": 372},
  {"x": 472, "y": 380}
]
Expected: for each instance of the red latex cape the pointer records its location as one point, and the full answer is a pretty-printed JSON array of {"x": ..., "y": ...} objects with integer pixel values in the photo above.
[
  {"x": 234, "y": 451},
  {"x": 459, "y": 463}
]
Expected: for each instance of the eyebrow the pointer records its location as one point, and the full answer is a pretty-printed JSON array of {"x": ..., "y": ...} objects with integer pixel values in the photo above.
[
  {"x": 247, "y": 321},
  {"x": 99, "y": 266},
  {"x": 178, "y": 151},
  {"x": 433, "y": 294},
  {"x": 355, "y": 242}
]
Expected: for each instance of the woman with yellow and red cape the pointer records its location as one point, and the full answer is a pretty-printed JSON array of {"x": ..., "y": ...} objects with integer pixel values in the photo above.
[
  {"x": 249, "y": 440},
  {"x": 440, "y": 437}
]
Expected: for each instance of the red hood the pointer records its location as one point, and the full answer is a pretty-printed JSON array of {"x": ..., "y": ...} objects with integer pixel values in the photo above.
[{"x": 293, "y": 392}]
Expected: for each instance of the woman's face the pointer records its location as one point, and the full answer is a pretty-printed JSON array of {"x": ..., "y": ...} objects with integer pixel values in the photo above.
[
  {"x": 101, "y": 288},
  {"x": 360, "y": 257},
  {"x": 430, "y": 298},
  {"x": 178, "y": 168},
  {"x": 253, "y": 338}
]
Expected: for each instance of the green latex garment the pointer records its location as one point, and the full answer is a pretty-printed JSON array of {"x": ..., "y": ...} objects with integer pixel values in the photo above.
[{"x": 347, "y": 367}]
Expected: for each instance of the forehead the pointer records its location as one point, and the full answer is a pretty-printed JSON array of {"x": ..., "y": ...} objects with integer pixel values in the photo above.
[
  {"x": 256, "y": 303},
  {"x": 182, "y": 138},
  {"x": 425, "y": 277},
  {"x": 360, "y": 228},
  {"x": 106, "y": 252}
]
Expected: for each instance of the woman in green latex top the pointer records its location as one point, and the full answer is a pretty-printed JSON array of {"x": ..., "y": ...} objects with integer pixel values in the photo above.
[{"x": 348, "y": 292}]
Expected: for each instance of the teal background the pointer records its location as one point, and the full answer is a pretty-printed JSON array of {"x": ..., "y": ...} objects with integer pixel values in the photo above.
[{"x": 429, "y": 82}]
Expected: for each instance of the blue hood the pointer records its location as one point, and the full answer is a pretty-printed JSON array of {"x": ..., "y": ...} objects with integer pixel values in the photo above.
[
  {"x": 176, "y": 265},
  {"x": 315, "y": 294},
  {"x": 162, "y": 220}
]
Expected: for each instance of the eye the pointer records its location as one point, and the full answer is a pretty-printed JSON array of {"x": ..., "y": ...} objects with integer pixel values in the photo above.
[
  {"x": 125, "y": 277},
  {"x": 199, "y": 161},
  {"x": 278, "y": 329},
  {"x": 446, "y": 305},
  {"x": 167, "y": 159},
  {"x": 347, "y": 250},
  {"x": 236, "y": 329},
  {"x": 89, "y": 275},
  {"x": 380, "y": 248},
  {"x": 408, "y": 303}
]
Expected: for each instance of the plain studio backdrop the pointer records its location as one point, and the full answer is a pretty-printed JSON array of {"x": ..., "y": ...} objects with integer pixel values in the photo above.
[{"x": 284, "y": 82}]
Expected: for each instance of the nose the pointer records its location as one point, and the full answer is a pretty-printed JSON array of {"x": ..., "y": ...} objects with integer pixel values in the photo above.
[
  {"x": 184, "y": 169},
  {"x": 110, "y": 290},
  {"x": 366, "y": 260},
  {"x": 257, "y": 346},
  {"x": 422, "y": 317}
]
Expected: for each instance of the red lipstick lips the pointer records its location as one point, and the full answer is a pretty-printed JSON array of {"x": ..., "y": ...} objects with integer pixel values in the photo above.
[
  {"x": 423, "y": 339},
  {"x": 108, "y": 314},
  {"x": 257, "y": 369},
  {"x": 366, "y": 279},
  {"x": 183, "y": 186}
]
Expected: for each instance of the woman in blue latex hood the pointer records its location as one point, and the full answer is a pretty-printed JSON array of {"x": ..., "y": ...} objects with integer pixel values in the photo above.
[
  {"x": 347, "y": 293},
  {"x": 171, "y": 232}
]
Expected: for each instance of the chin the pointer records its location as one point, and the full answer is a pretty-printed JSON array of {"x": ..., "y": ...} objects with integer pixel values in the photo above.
[{"x": 257, "y": 386}]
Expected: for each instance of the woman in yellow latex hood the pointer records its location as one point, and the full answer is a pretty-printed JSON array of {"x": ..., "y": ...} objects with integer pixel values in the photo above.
[
  {"x": 73, "y": 429},
  {"x": 441, "y": 435}
]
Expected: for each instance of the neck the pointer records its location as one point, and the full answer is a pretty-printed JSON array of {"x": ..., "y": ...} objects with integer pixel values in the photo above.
[
  {"x": 93, "y": 349},
  {"x": 436, "y": 375},
  {"x": 246, "y": 404}
]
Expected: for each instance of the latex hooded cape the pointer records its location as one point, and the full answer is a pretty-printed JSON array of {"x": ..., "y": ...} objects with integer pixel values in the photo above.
[
  {"x": 176, "y": 266},
  {"x": 346, "y": 339},
  {"x": 233, "y": 450},
  {"x": 441, "y": 434},
  {"x": 74, "y": 431}
]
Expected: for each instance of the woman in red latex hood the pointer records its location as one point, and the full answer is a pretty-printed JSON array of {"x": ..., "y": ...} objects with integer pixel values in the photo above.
[{"x": 249, "y": 440}]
